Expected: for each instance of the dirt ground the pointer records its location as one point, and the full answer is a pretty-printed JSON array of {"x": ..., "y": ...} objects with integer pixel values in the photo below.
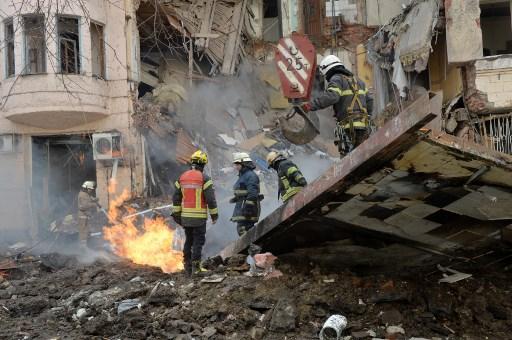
[{"x": 55, "y": 297}]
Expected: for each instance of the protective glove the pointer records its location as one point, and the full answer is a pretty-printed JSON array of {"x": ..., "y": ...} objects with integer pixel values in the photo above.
[
  {"x": 214, "y": 217},
  {"x": 233, "y": 200},
  {"x": 306, "y": 107},
  {"x": 302, "y": 182}
]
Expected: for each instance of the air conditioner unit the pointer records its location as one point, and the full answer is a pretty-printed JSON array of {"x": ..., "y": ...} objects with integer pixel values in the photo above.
[
  {"x": 106, "y": 145},
  {"x": 6, "y": 143}
]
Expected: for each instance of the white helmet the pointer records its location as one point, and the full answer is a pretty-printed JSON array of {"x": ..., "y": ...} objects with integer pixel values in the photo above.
[
  {"x": 239, "y": 157},
  {"x": 89, "y": 185},
  {"x": 328, "y": 63}
]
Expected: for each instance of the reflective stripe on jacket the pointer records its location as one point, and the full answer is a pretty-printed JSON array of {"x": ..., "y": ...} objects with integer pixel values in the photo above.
[
  {"x": 291, "y": 179},
  {"x": 194, "y": 197},
  {"x": 247, "y": 194},
  {"x": 347, "y": 95}
]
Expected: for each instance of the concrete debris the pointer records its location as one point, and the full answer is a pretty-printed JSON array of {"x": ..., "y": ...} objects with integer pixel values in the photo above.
[
  {"x": 395, "y": 330},
  {"x": 253, "y": 309},
  {"x": 213, "y": 279},
  {"x": 126, "y": 305},
  {"x": 80, "y": 314},
  {"x": 227, "y": 139},
  {"x": 454, "y": 276},
  {"x": 284, "y": 316},
  {"x": 391, "y": 317}
]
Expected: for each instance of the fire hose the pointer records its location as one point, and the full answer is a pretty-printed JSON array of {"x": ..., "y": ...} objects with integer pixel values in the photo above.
[{"x": 147, "y": 210}]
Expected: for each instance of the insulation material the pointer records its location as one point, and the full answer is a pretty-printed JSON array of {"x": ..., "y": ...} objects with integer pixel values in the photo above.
[
  {"x": 408, "y": 37},
  {"x": 414, "y": 41},
  {"x": 169, "y": 93},
  {"x": 399, "y": 77}
]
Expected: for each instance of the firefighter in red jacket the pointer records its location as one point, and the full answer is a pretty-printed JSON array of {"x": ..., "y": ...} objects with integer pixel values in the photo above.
[{"x": 193, "y": 198}]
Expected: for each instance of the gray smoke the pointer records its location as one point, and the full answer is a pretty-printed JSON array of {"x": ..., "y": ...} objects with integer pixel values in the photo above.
[{"x": 209, "y": 112}]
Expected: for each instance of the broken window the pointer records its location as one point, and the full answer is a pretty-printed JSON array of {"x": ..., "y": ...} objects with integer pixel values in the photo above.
[
  {"x": 271, "y": 22},
  {"x": 496, "y": 28},
  {"x": 97, "y": 51},
  {"x": 69, "y": 44},
  {"x": 35, "y": 45},
  {"x": 9, "y": 48}
]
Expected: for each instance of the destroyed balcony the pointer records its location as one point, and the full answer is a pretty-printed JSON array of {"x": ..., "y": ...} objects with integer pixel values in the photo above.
[{"x": 53, "y": 101}]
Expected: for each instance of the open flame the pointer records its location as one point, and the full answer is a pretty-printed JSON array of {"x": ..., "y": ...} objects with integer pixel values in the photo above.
[{"x": 152, "y": 246}]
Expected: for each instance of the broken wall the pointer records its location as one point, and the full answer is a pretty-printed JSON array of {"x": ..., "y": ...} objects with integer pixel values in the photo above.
[
  {"x": 291, "y": 13},
  {"x": 463, "y": 33},
  {"x": 346, "y": 9},
  {"x": 444, "y": 77},
  {"x": 380, "y": 12},
  {"x": 494, "y": 81}
]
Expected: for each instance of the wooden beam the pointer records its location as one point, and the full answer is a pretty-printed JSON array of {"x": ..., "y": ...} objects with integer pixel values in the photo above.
[
  {"x": 206, "y": 24},
  {"x": 205, "y": 35},
  {"x": 232, "y": 46},
  {"x": 190, "y": 61}
]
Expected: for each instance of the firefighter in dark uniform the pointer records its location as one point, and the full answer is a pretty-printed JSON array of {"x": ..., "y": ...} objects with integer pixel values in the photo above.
[
  {"x": 247, "y": 194},
  {"x": 291, "y": 180},
  {"x": 351, "y": 102},
  {"x": 193, "y": 198}
]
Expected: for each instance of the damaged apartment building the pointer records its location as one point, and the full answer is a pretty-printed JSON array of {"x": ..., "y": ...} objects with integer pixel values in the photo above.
[
  {"x": 98, "y": 90},
  {"x": 68, "y": 73},
  {"x": 459, "y": 50}
]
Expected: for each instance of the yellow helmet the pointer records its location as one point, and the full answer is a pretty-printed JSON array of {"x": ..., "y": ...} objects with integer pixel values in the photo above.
[{"x": 199, "y": 157}]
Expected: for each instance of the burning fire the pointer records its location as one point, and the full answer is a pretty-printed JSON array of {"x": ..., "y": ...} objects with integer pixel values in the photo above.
[{"x": 152, "y": 246}]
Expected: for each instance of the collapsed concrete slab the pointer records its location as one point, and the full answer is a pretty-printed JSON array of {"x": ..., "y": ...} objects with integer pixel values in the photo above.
[{"x": 429, "y": 191}]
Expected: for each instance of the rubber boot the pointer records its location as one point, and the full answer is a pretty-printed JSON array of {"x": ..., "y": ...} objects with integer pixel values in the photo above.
[
  {"x": 188, "y": 269},
  {"x": 198, "y": 268}
]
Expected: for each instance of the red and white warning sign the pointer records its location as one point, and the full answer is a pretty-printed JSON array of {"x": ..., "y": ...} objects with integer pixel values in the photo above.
[{"x": 296, "y": 63}]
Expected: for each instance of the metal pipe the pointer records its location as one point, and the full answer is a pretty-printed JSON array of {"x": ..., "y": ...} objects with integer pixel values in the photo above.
[{"x": 333, "y": 327}]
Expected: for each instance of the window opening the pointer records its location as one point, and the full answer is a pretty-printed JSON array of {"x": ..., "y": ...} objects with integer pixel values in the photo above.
[
  {"x": 69, "y": 45},
  {"x": 496, "y": 28},
  {"x": 35, "y": 45},
  {"x": 9, "y": 45},
  {"x": 98, "y": 50}
]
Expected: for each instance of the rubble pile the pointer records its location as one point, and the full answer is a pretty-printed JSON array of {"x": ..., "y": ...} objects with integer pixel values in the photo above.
[{"x": 54, "y": 296}]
